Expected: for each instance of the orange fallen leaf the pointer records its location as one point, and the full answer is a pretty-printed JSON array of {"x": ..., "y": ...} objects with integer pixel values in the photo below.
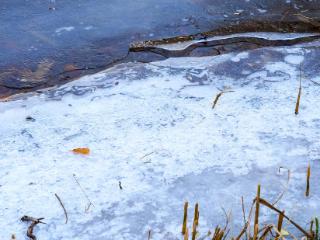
[{"x": 84, "y": 151}]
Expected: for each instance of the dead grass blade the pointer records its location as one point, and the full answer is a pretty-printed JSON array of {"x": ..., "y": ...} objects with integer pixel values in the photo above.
[
  {"x": 228, "y": 218},
  {"x": 285, "y": 188}
]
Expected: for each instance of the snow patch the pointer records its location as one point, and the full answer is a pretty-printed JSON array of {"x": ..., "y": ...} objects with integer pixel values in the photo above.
[
  {"x": 240, "y": 56},
  {"x": 294, "y": 59}
]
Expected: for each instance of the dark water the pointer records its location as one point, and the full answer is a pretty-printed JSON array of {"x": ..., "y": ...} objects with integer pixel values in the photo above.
[{"x": 41, "y": 47}]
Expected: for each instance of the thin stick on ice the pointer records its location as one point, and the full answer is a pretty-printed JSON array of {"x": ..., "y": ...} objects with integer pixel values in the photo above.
[
  {"x": 84, "y": 193},
  {"x": 64, "y": 209}
]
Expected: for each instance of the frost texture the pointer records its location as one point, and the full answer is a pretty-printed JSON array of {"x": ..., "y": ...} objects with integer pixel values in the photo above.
[{"x": 151, "y": 127}]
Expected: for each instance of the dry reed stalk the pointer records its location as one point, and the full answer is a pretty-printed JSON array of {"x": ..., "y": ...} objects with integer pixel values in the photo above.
[
  {"x": 195, "y": 221},
  {"x": 256, "y": 217},
  {"x": 196, "y": 214},
  {"x": 186, "y": 234},
  {"x": 194, "y": 231},
  {"x": 308, "y": 181},
  {"x": 185, "y": 218},
  {"x": 298, "y": 98},
  {"x": 279, "y": 226}
]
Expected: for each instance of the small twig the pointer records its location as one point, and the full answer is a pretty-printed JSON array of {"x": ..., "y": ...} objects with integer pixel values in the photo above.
[
  {"x": 216, "y": 99},
  {"x": 84, "y": 193},
  {"x": 87, "y": 208},
  {"x": 64, "y": 209},
  {"x": 218, "y": 96},
  {"x": 34, "y": 222},
  {"x": 146, "y": 155}
]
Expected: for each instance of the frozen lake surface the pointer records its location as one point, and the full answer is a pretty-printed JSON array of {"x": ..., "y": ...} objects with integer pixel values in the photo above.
[{"x": 152, "y": 127}]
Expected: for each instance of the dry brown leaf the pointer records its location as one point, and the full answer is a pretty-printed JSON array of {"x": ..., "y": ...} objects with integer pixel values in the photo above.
[{"x": 84, "y": 151}]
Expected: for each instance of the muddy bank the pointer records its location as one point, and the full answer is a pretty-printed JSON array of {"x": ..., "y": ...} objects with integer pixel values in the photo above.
[{"x": 41, "y": 48}]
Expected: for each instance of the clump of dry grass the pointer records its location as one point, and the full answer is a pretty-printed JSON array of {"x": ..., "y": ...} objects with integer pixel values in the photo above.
[{"x": 260, "y": 232}]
